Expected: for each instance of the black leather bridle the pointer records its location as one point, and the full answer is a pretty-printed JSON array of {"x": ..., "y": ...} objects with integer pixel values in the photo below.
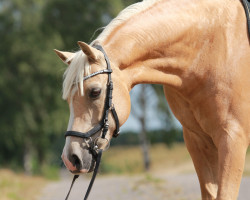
[
  {"x": 102, "y": 126},
  {"x": 246, "y": 4}
]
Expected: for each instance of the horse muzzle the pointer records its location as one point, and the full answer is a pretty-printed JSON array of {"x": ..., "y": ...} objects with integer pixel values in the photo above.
[{"x": 78, "y": 161}]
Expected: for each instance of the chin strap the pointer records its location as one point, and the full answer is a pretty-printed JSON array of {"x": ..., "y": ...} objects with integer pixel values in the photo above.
[{"x": 98, "y": 160}]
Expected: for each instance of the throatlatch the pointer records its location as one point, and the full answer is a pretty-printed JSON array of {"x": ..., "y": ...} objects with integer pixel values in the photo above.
[{"x": 102, "y": 126}]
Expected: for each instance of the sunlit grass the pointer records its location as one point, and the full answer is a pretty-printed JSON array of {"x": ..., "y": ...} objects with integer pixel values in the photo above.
[
  {"x": 247, "y": 164},
  {"x": 18, "y": 186},
  {"x": 164, "y": 158},
  {"x": 129, "y": 159},
  {"x": 117, "y": 160}
]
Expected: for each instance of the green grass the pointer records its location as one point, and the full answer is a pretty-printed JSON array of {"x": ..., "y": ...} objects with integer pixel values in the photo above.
[
  {"x": 50, "y": 172},
  {"x": 247, "y": 164},
  {"x": 128, "y": 160},
  {"x": 14, "y": 186},
  {"x": 117, "y": 160}
]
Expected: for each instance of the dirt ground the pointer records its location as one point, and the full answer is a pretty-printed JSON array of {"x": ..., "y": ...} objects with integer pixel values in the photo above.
[{"x": 173, "y": 185}]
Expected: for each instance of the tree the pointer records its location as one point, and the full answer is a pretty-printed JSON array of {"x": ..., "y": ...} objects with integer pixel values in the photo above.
[
  {"x": 29, "y": 85},
  {"x": 141, "y": 102},
  {"x": 33, "y": 115},
  {"x": 143, "y": 135}
]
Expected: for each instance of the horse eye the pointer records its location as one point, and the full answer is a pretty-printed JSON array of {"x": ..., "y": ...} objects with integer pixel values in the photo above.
[{"x": 95, "y": 93}]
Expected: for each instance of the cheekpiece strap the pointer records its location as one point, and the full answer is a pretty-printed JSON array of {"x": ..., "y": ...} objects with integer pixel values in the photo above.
[
  {"x": 99, "y": 47},
  {"x": 117, "y": 131}
]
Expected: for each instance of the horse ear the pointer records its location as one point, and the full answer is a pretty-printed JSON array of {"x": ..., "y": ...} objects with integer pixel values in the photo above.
[
  {"x": 89, "y": 51},
  {"x": 66, "y": 57}
]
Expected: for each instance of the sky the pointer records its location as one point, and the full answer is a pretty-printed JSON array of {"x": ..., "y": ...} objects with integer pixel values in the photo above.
[{"x": 153, "y": 120}]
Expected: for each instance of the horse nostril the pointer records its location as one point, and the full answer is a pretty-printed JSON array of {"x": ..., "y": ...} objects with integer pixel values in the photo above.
[{"x": 76, "y": 161}]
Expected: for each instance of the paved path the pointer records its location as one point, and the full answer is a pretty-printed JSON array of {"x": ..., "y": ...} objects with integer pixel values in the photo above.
[{"x": 140, "y": 187}]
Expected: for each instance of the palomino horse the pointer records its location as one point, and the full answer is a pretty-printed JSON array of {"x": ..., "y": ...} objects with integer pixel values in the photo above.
[{"x": 199, "y": 51}]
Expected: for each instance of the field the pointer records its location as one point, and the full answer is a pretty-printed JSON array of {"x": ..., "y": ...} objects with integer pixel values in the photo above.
[
  {"x": 119, "y": 164},
  {"x": 128, "y": 160},
  {"x": 14, "y": 186}
]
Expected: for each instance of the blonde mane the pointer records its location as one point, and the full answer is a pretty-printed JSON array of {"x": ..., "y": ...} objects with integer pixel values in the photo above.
[{"x": 80, "y": 67}]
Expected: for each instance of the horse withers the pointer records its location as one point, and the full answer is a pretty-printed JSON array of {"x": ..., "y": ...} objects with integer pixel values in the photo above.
[{"x": 199, "y": 51}]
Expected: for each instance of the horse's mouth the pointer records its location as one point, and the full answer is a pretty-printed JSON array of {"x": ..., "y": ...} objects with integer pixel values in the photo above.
[
  {"x": 78, "y": 172},
  {"x": 84, "y": 170}
]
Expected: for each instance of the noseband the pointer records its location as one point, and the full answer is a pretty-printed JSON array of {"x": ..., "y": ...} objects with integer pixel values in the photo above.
[{"x": 102, "y": 126}]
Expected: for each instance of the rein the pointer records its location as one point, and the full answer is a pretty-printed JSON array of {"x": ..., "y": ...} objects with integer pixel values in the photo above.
[{"x": 103, "y": 125}]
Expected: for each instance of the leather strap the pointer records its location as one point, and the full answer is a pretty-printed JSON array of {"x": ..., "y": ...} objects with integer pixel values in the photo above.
[
  {"x": 99, "y": 47},
  {"x": 72, "y": 183},
  {"x": 246, "y": 4},
  {"x": 117, "y": 131},
  {"x": 98, "y": 160},
  {"x": 96, "y": 73},
  {"x": 88, "y": 134}
]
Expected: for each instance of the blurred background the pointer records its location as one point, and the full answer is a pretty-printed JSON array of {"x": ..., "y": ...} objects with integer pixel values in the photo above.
[{"x": 33, "y": 115}]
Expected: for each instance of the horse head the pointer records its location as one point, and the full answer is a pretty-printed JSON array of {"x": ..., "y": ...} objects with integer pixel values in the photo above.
[{"x": 87, "y": 91}]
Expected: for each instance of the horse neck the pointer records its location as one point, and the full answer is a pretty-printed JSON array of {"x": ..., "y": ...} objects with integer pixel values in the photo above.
[{"x": 160, "y": 44}]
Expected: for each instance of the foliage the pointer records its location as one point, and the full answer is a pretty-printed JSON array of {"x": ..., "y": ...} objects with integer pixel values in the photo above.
[
  {"x": 76, "y": 20},
  {"x": 33, "y": 115},
  {"x": 31, "y": 107},
  {"x": 167, "y": 137}
]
